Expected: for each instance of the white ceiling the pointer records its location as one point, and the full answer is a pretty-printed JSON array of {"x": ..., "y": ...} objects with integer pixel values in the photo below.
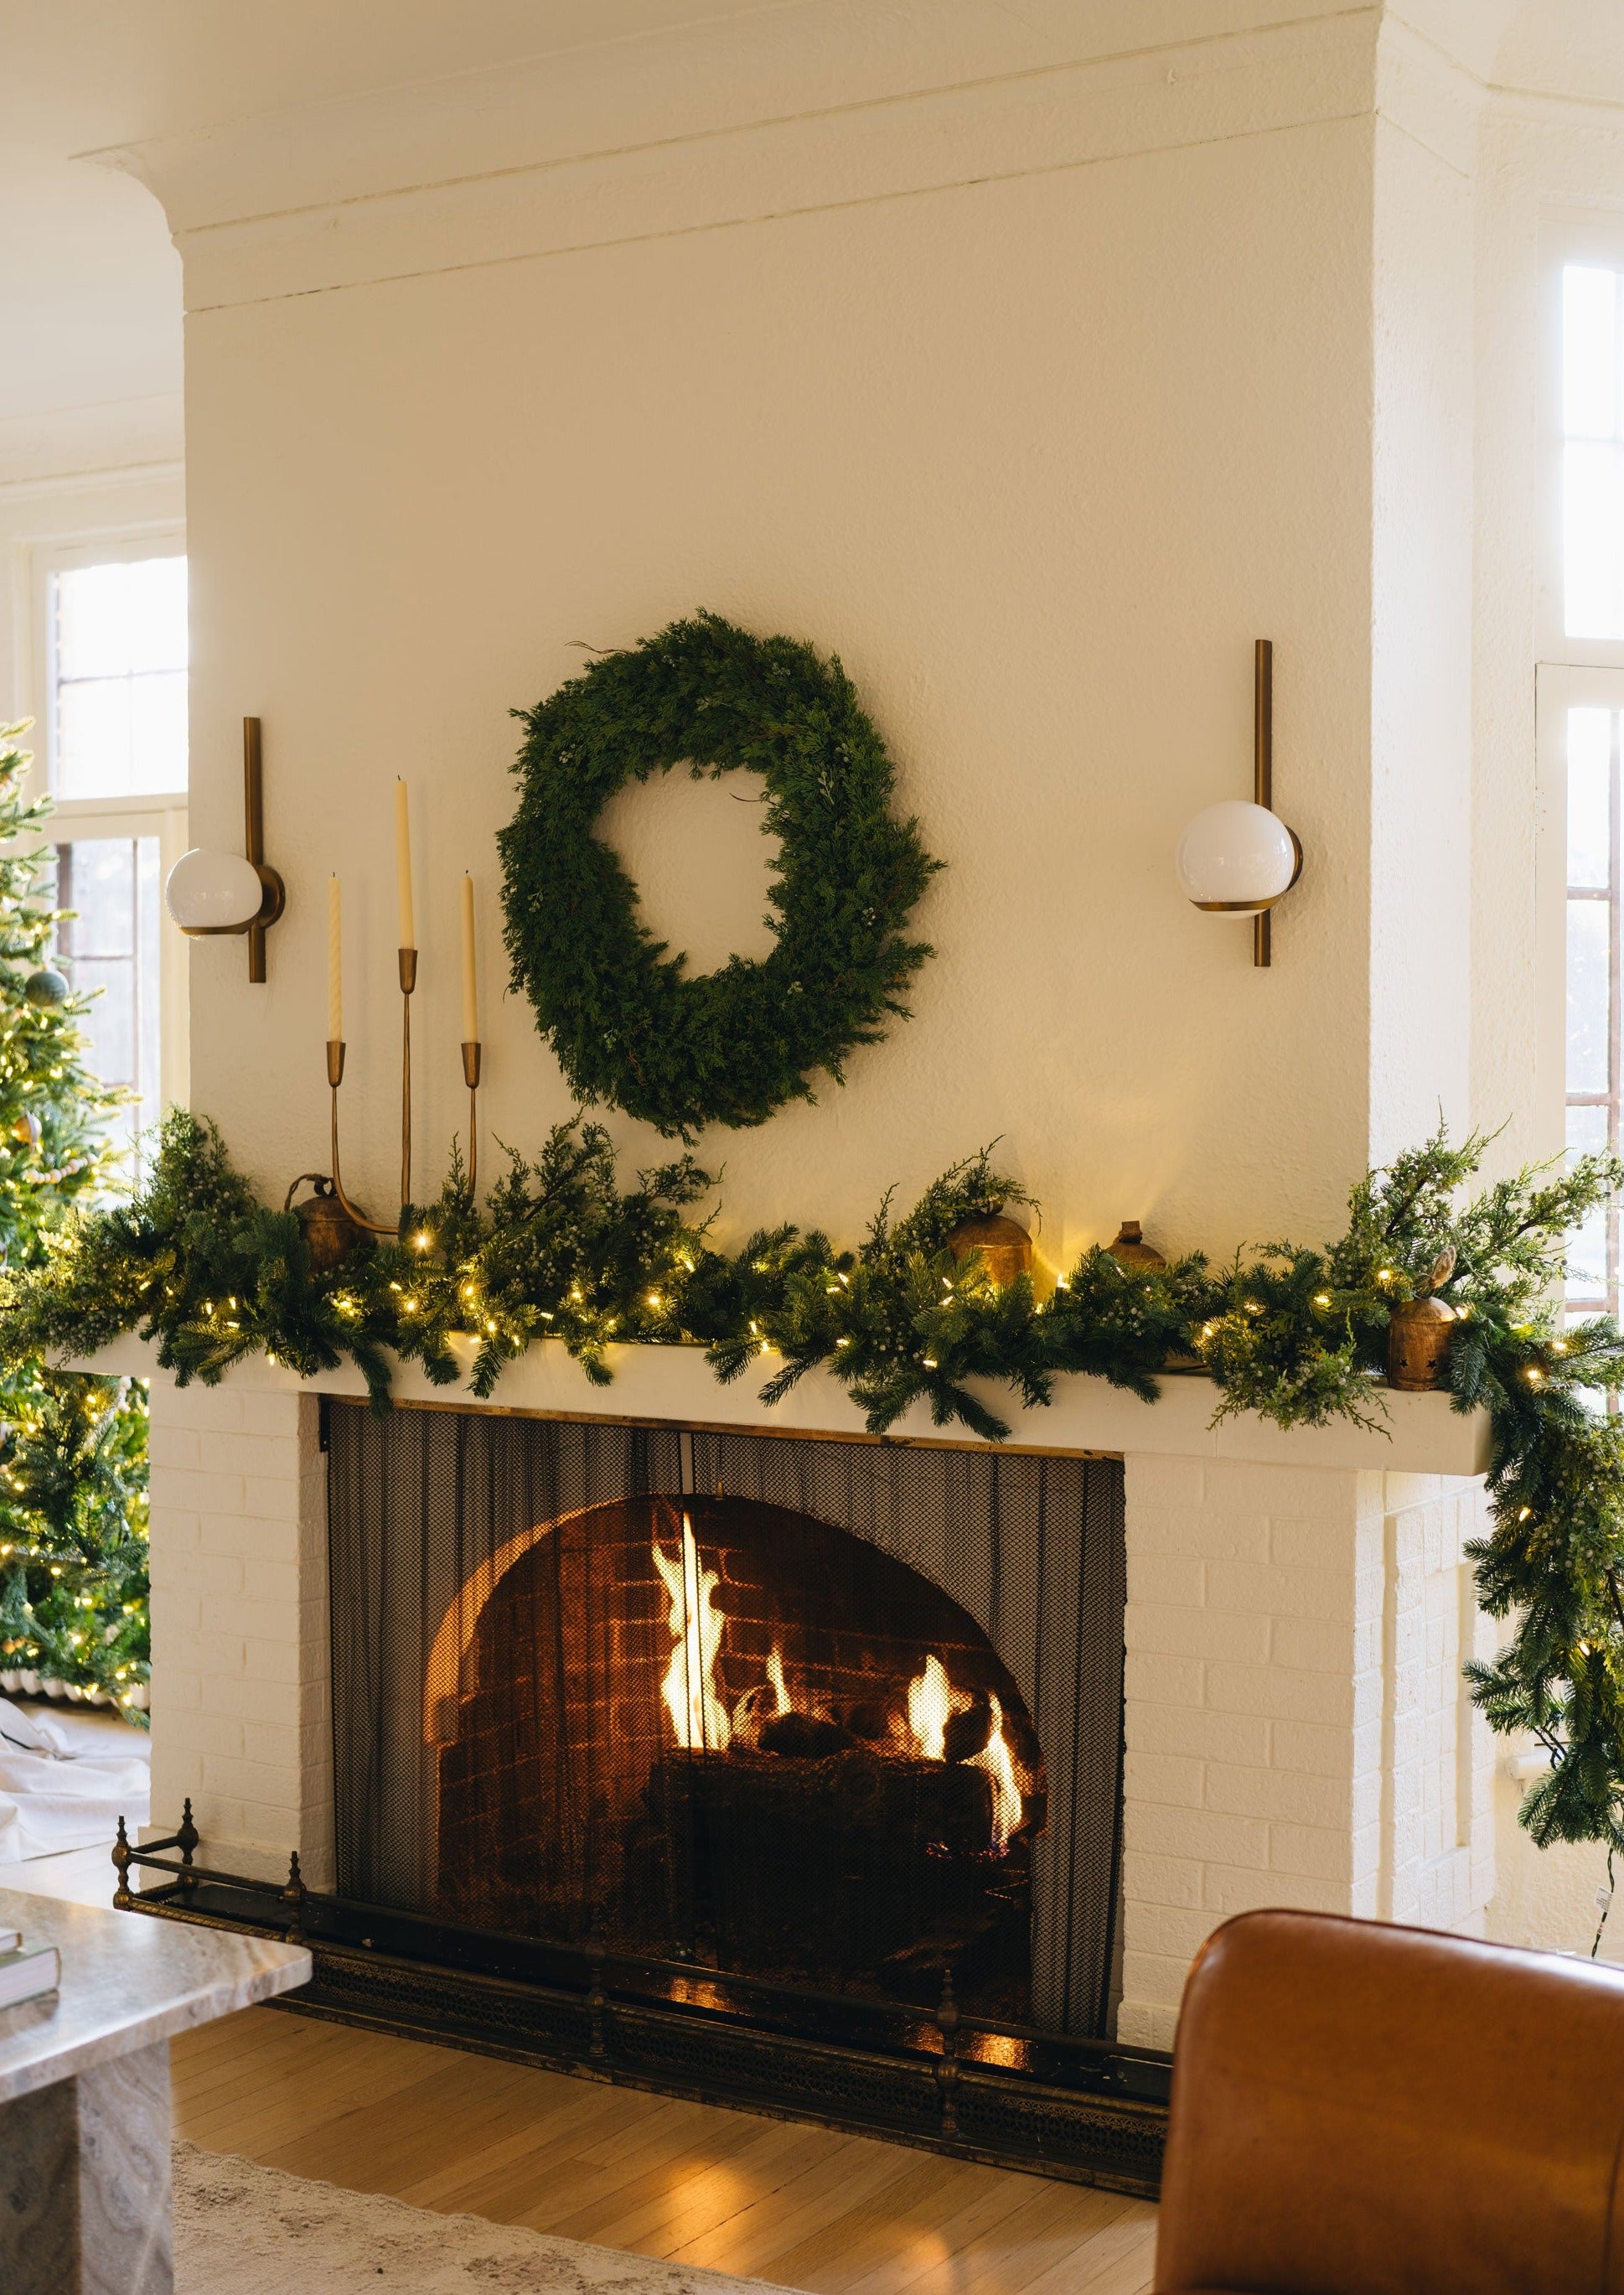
[
  {"x": 90, "y": 291},
  {"x": 89, "y": 284}
]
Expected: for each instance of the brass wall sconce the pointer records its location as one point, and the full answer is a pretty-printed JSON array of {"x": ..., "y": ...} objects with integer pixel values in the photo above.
[
  {"x": 210, "y": 892},
  {"x": 1236, "y": 859}
]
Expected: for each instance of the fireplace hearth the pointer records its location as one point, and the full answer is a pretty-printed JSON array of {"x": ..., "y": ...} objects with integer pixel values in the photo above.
[{"x": 777, "y": 1771}]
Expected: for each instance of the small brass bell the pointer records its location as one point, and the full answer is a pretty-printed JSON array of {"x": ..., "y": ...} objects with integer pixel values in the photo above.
[
  {"x": 330, "y": 1233},
  {"x": 1129, "y": 1247},
  {"x": 1419, "y": 1333},
  {"x": 1004, "y": 1244}
]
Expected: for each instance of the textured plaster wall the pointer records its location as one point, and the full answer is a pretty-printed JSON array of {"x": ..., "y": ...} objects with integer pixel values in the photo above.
[
  {"x": 1421, "y": 632},
  {"x": 1037, "y": 456}
]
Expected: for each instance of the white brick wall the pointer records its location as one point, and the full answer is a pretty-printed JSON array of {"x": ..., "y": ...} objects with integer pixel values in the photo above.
[
  {"x": 240, "y": 1712},
  {"x": 1296, "y": 1731}
]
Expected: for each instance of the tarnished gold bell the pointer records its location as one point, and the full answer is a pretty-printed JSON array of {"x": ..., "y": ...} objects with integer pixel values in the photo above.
[
  {"x": 1004, "y": 1244},
  {"x": 1419, "y": 1332},
  {"x": 1129, "y": 1247},
  {"x": 330, "y": 1233}
]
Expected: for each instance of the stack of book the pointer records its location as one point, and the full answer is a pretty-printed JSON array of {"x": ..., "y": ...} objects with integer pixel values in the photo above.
[{"x": 27, "y": 1971}]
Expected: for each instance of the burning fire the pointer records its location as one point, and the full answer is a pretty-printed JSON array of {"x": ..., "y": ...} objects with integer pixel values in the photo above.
[
  {"x": 999, "y": 1762},
  {"x": 702, "y": 1724},
  {"x": 932, "y": 1703},
  {"x": 698, "y": 1714}
]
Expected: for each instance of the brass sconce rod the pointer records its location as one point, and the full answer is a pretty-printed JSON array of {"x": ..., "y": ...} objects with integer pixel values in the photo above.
[
  {"x": 254, "y": 848},
  {"x": 1263, "y": 769},
  {"x": 191, "y": 901},
  {"x": 1263, "y": 782}
]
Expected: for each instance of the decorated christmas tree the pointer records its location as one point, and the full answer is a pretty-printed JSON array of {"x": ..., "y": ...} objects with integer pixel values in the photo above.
[{"x": 73, "y": 1517}]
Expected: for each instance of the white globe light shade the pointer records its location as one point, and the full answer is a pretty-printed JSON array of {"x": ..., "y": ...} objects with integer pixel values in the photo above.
[
  {"x": 1236, "y": 857},
  {"x": 213, "y": 892}
]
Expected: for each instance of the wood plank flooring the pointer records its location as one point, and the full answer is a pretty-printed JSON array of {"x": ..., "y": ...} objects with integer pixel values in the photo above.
[{"x": 768, "y": 2198}]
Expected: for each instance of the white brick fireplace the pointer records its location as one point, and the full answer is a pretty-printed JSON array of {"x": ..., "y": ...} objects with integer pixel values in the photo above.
[{"x": 1298, "y": 1608}]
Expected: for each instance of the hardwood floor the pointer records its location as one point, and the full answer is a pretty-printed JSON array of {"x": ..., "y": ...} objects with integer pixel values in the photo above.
[{"x": 769, "y": 2199}]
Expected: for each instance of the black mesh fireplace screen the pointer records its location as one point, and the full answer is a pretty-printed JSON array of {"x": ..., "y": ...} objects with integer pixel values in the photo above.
[{"x": 841, "y": 1715}]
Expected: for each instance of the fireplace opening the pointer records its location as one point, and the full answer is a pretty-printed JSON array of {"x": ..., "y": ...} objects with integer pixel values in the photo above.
[
  {"x": 830, "y": 1719},
  {"x": 711, "y": 1730}
]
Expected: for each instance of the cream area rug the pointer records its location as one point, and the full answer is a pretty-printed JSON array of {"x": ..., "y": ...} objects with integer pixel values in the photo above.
[{"x": 244, "y": 2230}]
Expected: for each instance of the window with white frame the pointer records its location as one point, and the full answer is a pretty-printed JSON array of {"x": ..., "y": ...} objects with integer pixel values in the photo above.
[
  {"x": 113, "y": 671},
  {"x": 1590, "y": 737}
]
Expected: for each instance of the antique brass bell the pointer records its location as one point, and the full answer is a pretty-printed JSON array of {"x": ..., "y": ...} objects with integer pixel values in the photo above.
[
  {"x": 330, "y": 1233},
  {"x": 1004, "y": 1244},
  {"x": 1418, "y": 1335},
  {"x": 1129, "y": 1247}
]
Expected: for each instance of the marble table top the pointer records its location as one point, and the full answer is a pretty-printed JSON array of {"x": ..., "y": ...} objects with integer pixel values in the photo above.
[{"x": 128, "y": 1980}]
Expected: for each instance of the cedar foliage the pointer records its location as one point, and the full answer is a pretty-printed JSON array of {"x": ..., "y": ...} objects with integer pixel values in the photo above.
[
  {"x": 629, "y": 1025},
  {"x": 560, "y": 1249}
]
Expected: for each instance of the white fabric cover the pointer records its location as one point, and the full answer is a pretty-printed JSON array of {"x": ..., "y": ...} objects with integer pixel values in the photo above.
[{"x": 66, "y": 1779}]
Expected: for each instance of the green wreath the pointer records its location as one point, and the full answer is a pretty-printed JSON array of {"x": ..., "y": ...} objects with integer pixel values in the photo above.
[{"x": 628, "y": 1025}]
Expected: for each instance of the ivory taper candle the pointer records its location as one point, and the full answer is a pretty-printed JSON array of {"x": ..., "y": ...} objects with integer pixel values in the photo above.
[
  {"x": 471, "y": 1002},
  {"x": 403, "y": 864},
  {"x": 335, "y": 978}
]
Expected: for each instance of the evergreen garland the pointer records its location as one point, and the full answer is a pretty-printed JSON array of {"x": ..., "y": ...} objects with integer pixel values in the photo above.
[
  {"x": 733, "y": 1045},
  {"x": 73, "y": 1521},
  {"x": 560, "y": 1250}
]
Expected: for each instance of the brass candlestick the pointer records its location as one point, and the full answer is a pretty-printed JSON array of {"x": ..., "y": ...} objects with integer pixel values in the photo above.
[
  {"x": 408, "y": 982},
  {"x": 471, "y": 1076},
  {"x": 335, "y": 1077}
]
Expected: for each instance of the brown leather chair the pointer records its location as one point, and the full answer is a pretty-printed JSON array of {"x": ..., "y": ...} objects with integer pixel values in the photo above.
[{"x": 1365, "y": 2110}]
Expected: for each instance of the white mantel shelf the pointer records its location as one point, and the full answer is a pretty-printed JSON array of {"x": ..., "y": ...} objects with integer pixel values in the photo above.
[{"x": 675, "y": 1384}]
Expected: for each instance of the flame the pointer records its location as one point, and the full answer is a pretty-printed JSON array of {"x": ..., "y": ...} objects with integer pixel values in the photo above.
[
  {"x": 775, "y": 1681},
  {"x": 931, "y": 1702},
  {"x": 1008, "y": 1801},
  {"x": 698, "y": 1715}
]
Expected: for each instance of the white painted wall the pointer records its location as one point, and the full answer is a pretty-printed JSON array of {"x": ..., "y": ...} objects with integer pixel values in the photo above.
[{"x": 982, "y": 408}]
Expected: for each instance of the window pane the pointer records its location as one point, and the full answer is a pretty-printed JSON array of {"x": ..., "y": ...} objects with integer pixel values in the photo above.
[
  {"x": 111, "y": 1021},
  {"x": 155, "y": 612},
  {"x": 93, "y": 738},
  {"x": 1589, "y": 796},
  {"x": 1588, "y": 1008},
  {"x": 1588, "y": 1244},
  {"x": 1593, "y": 530},
  {"x": 93, "y": 628},
  {"x": 1589, "y": 352},
  {"x": 103, "y": 897},
  {"x": 109, "y": 948},
  {"x": 119, "y": 678},
  {"x": 157, "y": 731}
]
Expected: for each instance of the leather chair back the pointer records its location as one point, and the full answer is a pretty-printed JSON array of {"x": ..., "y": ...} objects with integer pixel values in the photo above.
[{"x": 1359, "y": 2109}]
